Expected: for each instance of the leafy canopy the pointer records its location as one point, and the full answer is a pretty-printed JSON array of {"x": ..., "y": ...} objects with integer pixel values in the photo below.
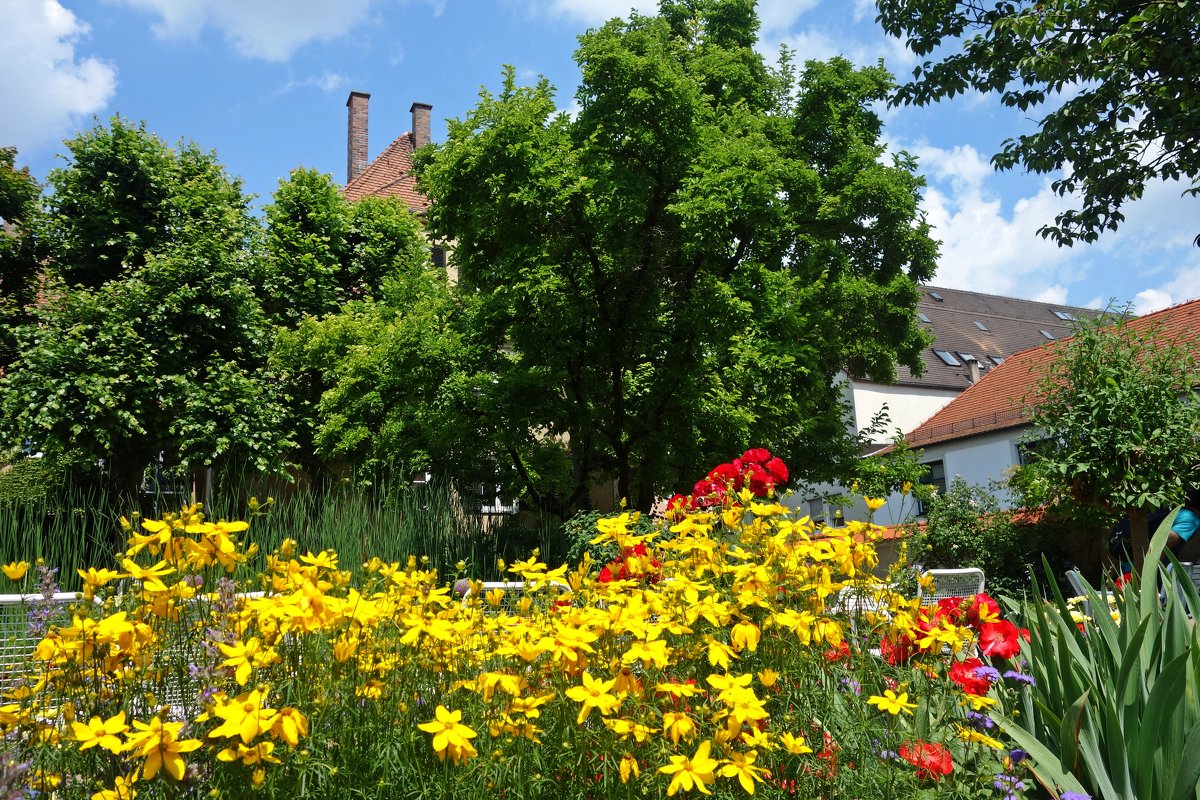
[
  {"x": 150, "y": 338},
  {"x": 1120, "y": 419},
  {"x": 684, "y": 267},
  {"x": 1119, "y": 77}
]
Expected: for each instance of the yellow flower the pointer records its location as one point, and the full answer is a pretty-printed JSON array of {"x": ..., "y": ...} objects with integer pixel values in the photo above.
[
  {"x": 794, "y": 744},
  {"x": 768, "y": 677},
  {"x": 629, "y": 766},
  {"x": 874, "y": 503},
  {"x": 891, "y": 702},
  {"x": 450, "y": 735},
  {"x": 16, "y": 570},
  {"x": 745, "y": 636},
  {"x": 678, "y": 725},
  {"x": 244, "y": 716},
  {"x": 741, "y": 766},
  {"x": 969, "y": 735},
  {"x": 97, "y": 733},
  {"x": 122, "y": 790},
  {"x": 158, "y": 742},
  {"x": 687, "y": 773},
  {"x": 594, "y": 694}
]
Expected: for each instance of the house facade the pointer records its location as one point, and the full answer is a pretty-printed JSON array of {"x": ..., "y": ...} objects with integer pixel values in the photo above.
[
  {"x": 982, "y": 434},
  {"x": 974, "y": 334}
]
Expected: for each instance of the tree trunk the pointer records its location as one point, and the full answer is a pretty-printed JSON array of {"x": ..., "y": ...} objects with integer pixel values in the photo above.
[{"x": 1139, "y": 536}]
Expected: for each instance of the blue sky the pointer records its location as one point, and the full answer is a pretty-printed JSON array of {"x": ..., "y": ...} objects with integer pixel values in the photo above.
[{"x": 264, "y": 83}]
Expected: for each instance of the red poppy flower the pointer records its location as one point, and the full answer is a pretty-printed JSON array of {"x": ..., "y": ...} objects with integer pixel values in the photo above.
[
  {"x": 931, "y": 759},
  {"x": 778, "y": 470},
  {"x": 950, "y": 608},
  {"x": 678, "y": 506},
  {"x": 897, "y": 652},
  {"x": 963, "y": 673},
  {"x": 605, "y": 575},
  {"x": 757, "y": 455},
  {"x": 724, "y": 474},
  {"x": 999, "y": 639}
]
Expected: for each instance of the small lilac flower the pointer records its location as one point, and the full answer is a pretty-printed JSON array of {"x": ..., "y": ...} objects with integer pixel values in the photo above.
[
  {"x": 1020, "y": 677},
  {"x": 852, "y": 685},
  {"x": 1074, "y": 796},
  {"x": 1009, "y": 784},
  {"x": 987, "y": 673},
  {"x": 980, "y": 721}
]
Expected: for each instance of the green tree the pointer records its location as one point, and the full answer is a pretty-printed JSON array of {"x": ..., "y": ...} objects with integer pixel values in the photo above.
[
  {"x": 1119, "y": 77},
  {"x": 322, "y": 253},
  {"x": 18, "y": 264},
  {"x": 681, "y": 269},
  {"x": 1119, "y": 420},
  {"x": 150, "y": 339}
]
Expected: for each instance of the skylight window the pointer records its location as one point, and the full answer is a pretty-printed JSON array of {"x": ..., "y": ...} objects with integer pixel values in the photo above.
[
  {"x": 997, "y": 360},
  {"x": 947, "y": 358},
  {"x": 981, "y": 326},
  {"x": 1047, "y": 334},
  {"x": 1063, "y": 315},
  {"x": 921, "y": 316},
  {"x": 936, "y": 296},
  {"x": 967, "y": 357}
]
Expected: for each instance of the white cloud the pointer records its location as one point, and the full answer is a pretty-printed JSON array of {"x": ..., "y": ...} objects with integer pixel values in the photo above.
[
  {"x": 327, "y": 82},
  {"x": 270, "y": 30},
  {"x": 778, "y": 15},
  {"x": 47, "y": 86},
  {"x": 594, "y": 12}
]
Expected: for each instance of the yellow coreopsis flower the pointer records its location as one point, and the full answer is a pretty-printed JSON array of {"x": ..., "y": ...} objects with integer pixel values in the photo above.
[
  {"x": 891, "y": 702},
  {"x": 874, "y": 503},
  {"x": 158, "y": 742},
  {"x": 688, "y": 773},
  {"x": 745, "y": 636},
  {"x": 15, "y": 570},
  {"x": 594, "y": 694},
  {"x": 741, "y": 766},
  {"x": 969, "y": 735},
  {"x": 101, "y": 733},
  {"x": 245, "y": 716},
  {"x": 123, "y": 789},
  {"x": 629, "y": 766},
  {"x": 768, "y": 677},
  {"x": 450, "y": 736},
  {"x": 796, "y": 745}
]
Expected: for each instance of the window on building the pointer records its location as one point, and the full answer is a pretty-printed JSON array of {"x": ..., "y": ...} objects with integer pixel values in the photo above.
[
  {"x": 1048, "y": 334},
  {"x": 997, "y": 360},
  {"x": 921, "y": 315},
  {"x": 981, "y": 326},
  {"x": 947, "y": 358},
  {"x": 936, "y": 296},
  {"x": 438, "y": 256},
  {"x": 1063, "y": 315},
  {"x": 967, "y": 357},
  {"x": 936, "y": 477}
]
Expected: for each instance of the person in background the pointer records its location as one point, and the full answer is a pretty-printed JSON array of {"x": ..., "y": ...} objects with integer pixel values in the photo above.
[{"x": 1183, "y": 529}]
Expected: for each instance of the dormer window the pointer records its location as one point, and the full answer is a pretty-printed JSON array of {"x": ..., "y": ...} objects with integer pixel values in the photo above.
[{"x": 947, "y": 358}]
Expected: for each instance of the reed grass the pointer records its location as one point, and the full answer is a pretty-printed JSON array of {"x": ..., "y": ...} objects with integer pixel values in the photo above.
[{"x": 388, "y": 517}]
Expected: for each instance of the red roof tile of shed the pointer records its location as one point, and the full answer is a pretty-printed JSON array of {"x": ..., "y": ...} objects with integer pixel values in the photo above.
[
  {"x": 998, "y": 400},
  {"x": 390, "y": 175}
]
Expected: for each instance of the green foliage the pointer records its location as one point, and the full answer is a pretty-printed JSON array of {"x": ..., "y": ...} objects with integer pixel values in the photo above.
[
  {"x": 1112, "y": 712},
  {"x": 897, "y": 470},
  {"x": 323, "y": 251},
  {"x": 679, "y": 271},
  {"x": 579, "y": 530},
  {"x": 1120, "y": 422},
  {"x": 18, "y": 263},
  {"x": 28, "y": 480},
  {"x": 966, "y": 527},
  {"x": 1119, "y": 77},
  {"x": 150, "y": 338}
]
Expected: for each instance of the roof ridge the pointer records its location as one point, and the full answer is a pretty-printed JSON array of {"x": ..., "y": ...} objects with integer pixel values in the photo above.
[{"x": 927, "y": 287}]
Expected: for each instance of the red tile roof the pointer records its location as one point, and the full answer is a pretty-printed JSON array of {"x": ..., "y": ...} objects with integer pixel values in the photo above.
[
  {"x": 390, "y": 175},
  {"x": 998, "y": 400}
]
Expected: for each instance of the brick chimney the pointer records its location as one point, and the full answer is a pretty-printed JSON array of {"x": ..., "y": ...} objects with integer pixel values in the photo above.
[
  {"x": 356, "y": 134},
  {"x": 420, "y": 124}
]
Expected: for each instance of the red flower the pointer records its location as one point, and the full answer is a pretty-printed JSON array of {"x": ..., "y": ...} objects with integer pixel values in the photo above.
[
  {"x": 778, "y": 470},
  {"x": 897, "y": 652},
  {"x": 605, "y": 575},
  {"x": 963, "y": 673},
  {"x": 931, "y": 759},
  {"x": 757, "y": 455},
  {"x": 724, "y": 474},
  {"x": 678, "y": 506},
  {"x": 1000, "y": 639},
  {"x": 759, "y": 480},
  {"x": 950, "y": 608}
]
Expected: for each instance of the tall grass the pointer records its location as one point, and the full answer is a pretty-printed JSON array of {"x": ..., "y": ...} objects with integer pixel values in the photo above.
[{"x": 391, "y": 518}]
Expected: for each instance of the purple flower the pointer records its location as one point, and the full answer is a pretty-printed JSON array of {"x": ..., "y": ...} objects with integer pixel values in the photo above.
[
  {"x": 1020, "y": 677},
  {"x": 987, "y": 673},
  {"x": 1009, "y": 784},
  {"x": 980, "y": 721},
  {"x": 1018, "y": 755},
  {"x": 1074, "y": 796}
]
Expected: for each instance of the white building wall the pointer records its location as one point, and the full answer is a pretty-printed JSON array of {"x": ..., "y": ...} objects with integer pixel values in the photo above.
[{"x": 907, "y": 406}]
